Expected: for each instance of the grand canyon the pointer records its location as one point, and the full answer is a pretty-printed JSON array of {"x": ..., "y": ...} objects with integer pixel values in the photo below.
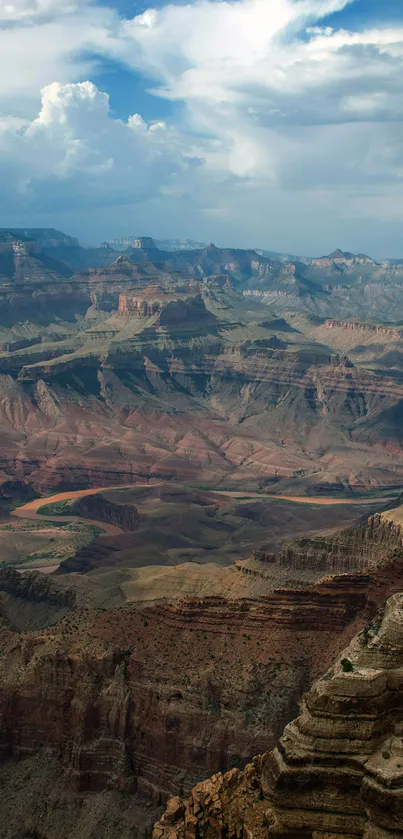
[{"x": 201, "y": 541}]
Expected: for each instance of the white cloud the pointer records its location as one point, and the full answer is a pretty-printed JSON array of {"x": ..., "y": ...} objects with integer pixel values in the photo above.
[
  {"x": 258, "y": 56},
  {"x": 274, "y": 105},
  {"x": 13, "y": 11},
  {"x": 42, "y": 41},
  {"x": 74, "y": 152},
  {"x": 283, "y": 100}
]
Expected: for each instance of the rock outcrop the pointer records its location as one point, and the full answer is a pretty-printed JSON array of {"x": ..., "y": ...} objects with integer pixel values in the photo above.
[
  {"x": 98, "y": 508},
  {"x": 338, "y": 768},
  {"x": 344, "y": 259},
  {"x": 371, "y": 328},
  {"x": 225, "y": 805},
  {"x": 369, "y": 544},
  {"x": 35, "y": 587},
  {"x": 158, "y": 699},
  {"x": 180, "y": 308},
  {"x": 32, "y": 600},
  {"x": 356, "y": 549}
]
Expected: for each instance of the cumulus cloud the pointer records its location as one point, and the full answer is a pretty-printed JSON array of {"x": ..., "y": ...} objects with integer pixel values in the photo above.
[
  {"x": 75, "y": 153},
  {"x": 42, "y": 41},
  {"x": 278, "y": 109}
]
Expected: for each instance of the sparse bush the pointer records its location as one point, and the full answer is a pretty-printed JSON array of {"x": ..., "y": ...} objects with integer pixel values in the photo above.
[{"x": 347, "y": 665}]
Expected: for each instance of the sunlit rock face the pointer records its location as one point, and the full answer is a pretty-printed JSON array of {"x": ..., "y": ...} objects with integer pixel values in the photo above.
[{"x": 338, "y": 768}]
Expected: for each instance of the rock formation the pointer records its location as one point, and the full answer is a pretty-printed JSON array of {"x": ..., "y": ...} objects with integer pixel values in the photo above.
[
  {"x": 98, "y": 508},
  {"x": 356, "y": 549},
  {"x": 338, "y": 768},
  {"x": 32, "y": 600},
  {"x": 35, "y": 587},
  {"x": 341, "y": 258},
  {"x": 157, "y": 699},
  {"x": 144, "y": 242},
  {"x": 245, "y": 397},
  {"x": 230, "y": 804}
]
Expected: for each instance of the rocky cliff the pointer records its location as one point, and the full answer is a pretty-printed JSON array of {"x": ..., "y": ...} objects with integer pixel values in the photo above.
[
  {"x": 338, "y": 768},
  {"x": 371, "y": 328},
  {"x": 354, "y": 549},
  {"x": 98, "y": 508},
  {"x": 180, "y": 308},
  {"x": 343, "y": 259},
  {"x": 155, "y": 700},
  {"x": 370, "y": 544},
  {"x": 32, "y": 600},
  {"x": 149, "y": 701}
]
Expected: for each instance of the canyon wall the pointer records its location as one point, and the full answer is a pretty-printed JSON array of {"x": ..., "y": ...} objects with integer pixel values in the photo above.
[
  {"x": 354, "y": 549},
  {"x": 155, "y": 700},
  {"x": 98, "y": 508},
  {"x": 338, "y": 768}
]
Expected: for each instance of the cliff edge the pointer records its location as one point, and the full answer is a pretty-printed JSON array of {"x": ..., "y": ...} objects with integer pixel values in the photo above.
[{"x": 338, "y": 768}]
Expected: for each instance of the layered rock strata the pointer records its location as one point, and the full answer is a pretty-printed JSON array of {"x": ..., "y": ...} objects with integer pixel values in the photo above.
[
  {"x": 374, "y": 542},
  {"x": 35, "y": 587},
  {"x": 156, "y": 700},
  {"x": 338, "y": 768},
  {"x": 355, "y": 549}
]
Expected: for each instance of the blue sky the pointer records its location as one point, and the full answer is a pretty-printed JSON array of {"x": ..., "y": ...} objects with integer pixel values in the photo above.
[
  {"x": 122, "y": 83},
  {"x": 125, "y": 85},
  {"x": 271, "y": 123},
  {"x": 364, "y": 12}
]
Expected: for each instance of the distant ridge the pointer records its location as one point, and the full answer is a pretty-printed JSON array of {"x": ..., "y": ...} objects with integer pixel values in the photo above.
[{"x": 121, "y": 244}]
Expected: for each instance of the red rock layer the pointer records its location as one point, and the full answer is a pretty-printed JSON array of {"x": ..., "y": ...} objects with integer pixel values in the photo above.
[
  {"x": 158, "y": 699},
  {"x": 337, "y": 771}
]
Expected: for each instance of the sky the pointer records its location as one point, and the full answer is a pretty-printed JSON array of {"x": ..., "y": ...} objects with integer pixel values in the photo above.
[{"x": 275, "y": 124}]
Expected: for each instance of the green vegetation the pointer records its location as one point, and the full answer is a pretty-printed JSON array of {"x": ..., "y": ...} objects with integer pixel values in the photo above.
[
  {"x": 57, "y": 508},
  {"x": 14, "y": 505},
  {"x": 66, "y": 540},
  {"x": 347, "y": 665}
]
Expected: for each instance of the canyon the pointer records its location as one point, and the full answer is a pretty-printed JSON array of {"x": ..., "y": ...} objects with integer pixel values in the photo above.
[
  {"x": 205, "y": 446},
  {"x": 157, "y": 365},
  {"x": 144, "y": 700}
]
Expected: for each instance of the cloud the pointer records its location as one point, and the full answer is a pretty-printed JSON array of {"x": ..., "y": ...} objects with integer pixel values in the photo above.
[
  {"x": 42, "y": 41},
  {"x": 26, "y": 10},
  {"x": 251, "y": 73},
  {"x": 76, "y": 154},
  {"x": 279, "y": 112},
  {"x": 301, "y": 115}
]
